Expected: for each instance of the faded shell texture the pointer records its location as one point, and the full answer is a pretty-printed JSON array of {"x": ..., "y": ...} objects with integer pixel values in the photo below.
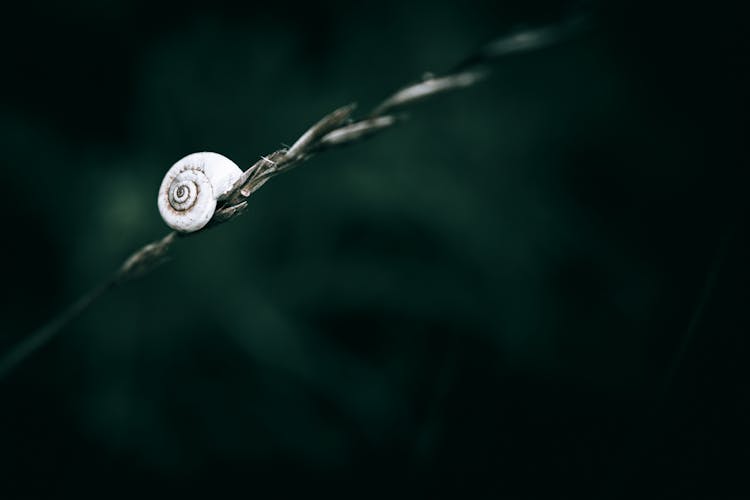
[{"x": 188, "y": 193}]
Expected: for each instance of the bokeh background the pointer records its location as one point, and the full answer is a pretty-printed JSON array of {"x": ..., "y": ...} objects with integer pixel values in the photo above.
[{"x": 484, "y": 302}]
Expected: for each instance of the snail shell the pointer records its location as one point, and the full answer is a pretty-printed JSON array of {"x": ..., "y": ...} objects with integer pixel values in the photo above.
[{"x": 189, "y": 191}]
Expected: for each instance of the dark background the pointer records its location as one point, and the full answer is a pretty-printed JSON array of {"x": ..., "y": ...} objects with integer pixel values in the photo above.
[{"x": 486, "y": 301}]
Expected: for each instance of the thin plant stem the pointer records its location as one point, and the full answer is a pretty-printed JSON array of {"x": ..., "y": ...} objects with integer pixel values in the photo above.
[
  {"x": 695, "y": 318},
  {"x": 707, "y": 290},
  {"x": 43, "y": 335},
  {"x": 334, "y": 130}
]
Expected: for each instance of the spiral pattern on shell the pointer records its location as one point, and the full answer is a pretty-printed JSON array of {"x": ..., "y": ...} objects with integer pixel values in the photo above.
[{"x": 190, "y": 189}]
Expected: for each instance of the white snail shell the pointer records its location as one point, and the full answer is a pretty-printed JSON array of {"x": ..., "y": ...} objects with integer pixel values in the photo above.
[{"x": 188, "y": 193}]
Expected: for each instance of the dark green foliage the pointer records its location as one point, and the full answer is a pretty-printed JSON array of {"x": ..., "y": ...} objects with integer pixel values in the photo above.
[{"x": 482, "y": 301}]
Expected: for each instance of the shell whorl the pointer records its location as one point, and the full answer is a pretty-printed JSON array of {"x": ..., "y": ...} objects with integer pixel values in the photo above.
[{"x": 190, "y": 189}]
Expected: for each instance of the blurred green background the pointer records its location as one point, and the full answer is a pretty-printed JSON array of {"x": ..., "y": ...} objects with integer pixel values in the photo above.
[{"x": 481, "y": 302}]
